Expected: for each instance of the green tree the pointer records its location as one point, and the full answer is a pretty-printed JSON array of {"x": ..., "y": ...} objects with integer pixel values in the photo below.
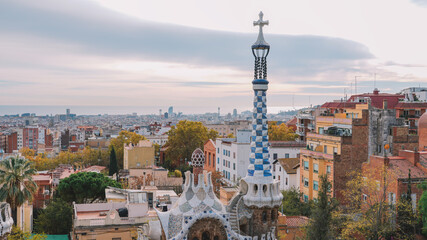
[
  {"x": 113, "y": 168},
  {"x": 125, "y": 137},
  {"x": 292, "y": 204},
  {"x": 85, "y": 187},
  {"x": 184, "y": 139},
  {"x": 56, "y": 218},
  {"x": 17, "y": 185},
  {"x": 280, "y": 132},
  {"x": 407, "y": 218},
  {"x": 423, "y": 208},
  {"x": 320, "y": 226}
]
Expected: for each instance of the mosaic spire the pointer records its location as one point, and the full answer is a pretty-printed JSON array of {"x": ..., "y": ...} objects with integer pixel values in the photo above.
[{"x": 260, "y": 166}]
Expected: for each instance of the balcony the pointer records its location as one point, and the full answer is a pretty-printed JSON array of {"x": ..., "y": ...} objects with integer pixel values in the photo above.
[
  {"x": 305, "y": 116},
  {"x": 317, "y": 154},
  {"x": 311, "y": 126},
  {"x": 324, "y": 137},
  {"x": 300, "y": 133},
  {"x": 6, "y": 221}
]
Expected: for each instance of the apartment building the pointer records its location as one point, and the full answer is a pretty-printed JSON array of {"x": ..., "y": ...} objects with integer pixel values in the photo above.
[
  {"x": 345, "y": 138},
  {"x": 232, "y": 127}
]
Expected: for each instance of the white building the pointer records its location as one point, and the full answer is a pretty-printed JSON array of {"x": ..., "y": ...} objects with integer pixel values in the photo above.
[
  {"x": 285, "y": 150},
  {"x": 415, "y": 94},
  {"x": 233, "y": 156},
  {"x": 160, "y": 140},
  {"x": 287, "y": 172}
]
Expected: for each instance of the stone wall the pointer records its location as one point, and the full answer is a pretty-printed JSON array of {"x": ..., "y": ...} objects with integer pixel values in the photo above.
[
  {"x": 263, "y": 219},
  {"x": 207, "y": 229}
]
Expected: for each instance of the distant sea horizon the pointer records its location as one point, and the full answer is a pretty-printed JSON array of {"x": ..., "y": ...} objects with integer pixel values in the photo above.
[{"x": 43, "y": 110}]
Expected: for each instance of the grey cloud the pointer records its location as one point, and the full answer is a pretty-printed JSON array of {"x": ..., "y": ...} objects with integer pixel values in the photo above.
[
  {"x": 422, "y": 3},
  {"x": 102, "y": 32},
  {"x": 391, "y": 63}
]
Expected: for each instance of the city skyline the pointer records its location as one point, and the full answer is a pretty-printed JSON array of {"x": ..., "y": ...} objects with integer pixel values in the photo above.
[{"x": 90, "y": 53}]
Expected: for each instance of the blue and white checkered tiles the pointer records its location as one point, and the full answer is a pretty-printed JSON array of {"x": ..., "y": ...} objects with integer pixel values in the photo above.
[{"x": 259, "y": 158}]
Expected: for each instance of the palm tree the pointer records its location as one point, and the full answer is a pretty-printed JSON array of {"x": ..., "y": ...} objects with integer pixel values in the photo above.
[{"x": 17, "y": 185}]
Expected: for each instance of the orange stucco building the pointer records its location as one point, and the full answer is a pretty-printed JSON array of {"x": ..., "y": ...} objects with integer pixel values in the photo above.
[{"x": 210, "y": 155}]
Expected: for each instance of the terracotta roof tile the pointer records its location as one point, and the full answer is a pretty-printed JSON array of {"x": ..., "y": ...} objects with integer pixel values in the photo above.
[
  {"x": 289, "y": 164},
  {"x": 297, "y": 221}
]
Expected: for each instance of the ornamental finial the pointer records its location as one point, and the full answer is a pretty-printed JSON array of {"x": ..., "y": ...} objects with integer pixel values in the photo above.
[{"x": 260, "y": 41}]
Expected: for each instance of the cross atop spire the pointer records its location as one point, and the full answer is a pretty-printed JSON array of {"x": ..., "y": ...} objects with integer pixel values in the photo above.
[
  {"x": 260, "y": 22},
  {"x": 260, "y": 42}
]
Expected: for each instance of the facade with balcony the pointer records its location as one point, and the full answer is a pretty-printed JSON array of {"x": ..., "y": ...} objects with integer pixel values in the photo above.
[{"x": 305, "y": 122}]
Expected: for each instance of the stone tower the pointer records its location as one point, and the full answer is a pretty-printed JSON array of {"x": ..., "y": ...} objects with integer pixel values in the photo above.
[{"x": 260, "y": 193}]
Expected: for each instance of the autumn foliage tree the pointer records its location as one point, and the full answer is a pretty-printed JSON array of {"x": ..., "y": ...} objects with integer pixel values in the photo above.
[
  {"x": 368, "y": 211},
  {"x": 125, "y": 137},
  {"x": 280, "y": 132},
  {"x": 184, "y": 139}
]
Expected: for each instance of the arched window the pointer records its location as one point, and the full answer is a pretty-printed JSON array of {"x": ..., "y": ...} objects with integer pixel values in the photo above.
[
  {"x": 273, "y": 215},
  {"x": 264, "y": 216},
  {"x": 205, "y": 235}
]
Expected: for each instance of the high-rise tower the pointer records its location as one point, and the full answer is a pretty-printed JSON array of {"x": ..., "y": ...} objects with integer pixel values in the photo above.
[{"x": 260, "y": 192}]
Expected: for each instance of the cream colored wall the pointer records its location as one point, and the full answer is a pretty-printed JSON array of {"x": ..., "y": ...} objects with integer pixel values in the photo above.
[
  {"x": 142, "y": 155},
  {"x": 25, "y": 217}
]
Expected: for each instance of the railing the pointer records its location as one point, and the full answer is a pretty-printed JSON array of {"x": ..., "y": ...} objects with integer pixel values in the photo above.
[
  {"x": 301, "y": 133},
  {"x": 317, "y": 154},
  {"x": 107, "y": 221},
  {"x": 305, "y": 116},
  {"x": 310, "y": 126}
]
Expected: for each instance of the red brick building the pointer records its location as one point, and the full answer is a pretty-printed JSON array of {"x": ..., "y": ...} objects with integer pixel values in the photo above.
[
  {"x": 422, "y": 132},
  {"x": 210, "y": 156},
  {"x": 44, "y": 191},
  {"x": 377, "y": 99},
  {"x": 12, "y": 142},
  {"x": 398, "y": 168},
  {"x": 30, "y": 138},
  {"x": 411, "y": 112}
]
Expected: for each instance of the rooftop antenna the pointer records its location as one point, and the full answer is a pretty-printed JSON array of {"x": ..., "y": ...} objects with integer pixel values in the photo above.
[
  {"x": 309, "y": 101},
  {"x": 375, "y": 80},
  {"x": 355, "y": 84},
  {"x": 293, "y": 96},
  {"x": 345, "y": 94},
  {"x": 351, "y": 88}
]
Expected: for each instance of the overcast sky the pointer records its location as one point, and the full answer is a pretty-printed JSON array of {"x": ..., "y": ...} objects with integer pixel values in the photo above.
[{"x": 197, "y": 53}]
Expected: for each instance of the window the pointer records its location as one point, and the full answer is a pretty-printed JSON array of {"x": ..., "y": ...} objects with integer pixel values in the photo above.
[
  {"x": 286, "y": 181},
  {"x": 305, "y": 198},
  {"x": 321, "y": 130},
  {"x": 274, "y": 156},
  {"x": 278, "y": 177},
  {"x": 287, "y": 155},
  {"x": 335, "y": 150},
  {"x": 316, "y": 168},
  {"x": 305, "y": 165},
  {"x": 316, "y": 185},
  {"x": 234, "y": 166},
  {"x": 305, "y": 182},
  {"x": 328, "y": 169},
  {"x": 234, "y": 155},
  {"x": 325, "y": 149},
  {"x": 414, "y": 201},
  {"x": 218, "y": 150},
  {"x": 218, "y": 160}
]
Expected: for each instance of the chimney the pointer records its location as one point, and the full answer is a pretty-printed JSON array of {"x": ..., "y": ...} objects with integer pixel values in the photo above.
[
  {"x": 198, "y": 162},
  {"x": 385, "y": 104}
]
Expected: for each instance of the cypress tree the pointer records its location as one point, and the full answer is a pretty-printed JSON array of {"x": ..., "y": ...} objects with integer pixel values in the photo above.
[
  {"x": 320, "y": 227},
  {"x": 114, "y": 168}
]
